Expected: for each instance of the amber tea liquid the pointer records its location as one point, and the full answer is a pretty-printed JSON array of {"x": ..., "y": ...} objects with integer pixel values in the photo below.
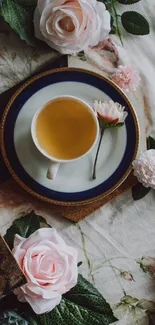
[{"x": 65, "y": 128}]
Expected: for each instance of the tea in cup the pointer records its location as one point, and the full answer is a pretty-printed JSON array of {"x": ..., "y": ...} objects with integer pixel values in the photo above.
[{"x": 64, "y": 129}]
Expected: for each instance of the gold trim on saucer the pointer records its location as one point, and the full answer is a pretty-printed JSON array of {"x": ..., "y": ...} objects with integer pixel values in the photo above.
[{"x": 29, "y": 190}]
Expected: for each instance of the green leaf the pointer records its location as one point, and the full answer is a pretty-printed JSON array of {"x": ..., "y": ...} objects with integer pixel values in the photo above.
[
  {"x": 113, "y": 30},
  {"x": 79, "y": 264},
  {"x": 113, "y": 125},
  {"x": 150, "y": 143},
  {"x": 129, "y": 299},
  {"x": 11, "y": 317},
  {"x": 83, "y": 305},
  {"x": 147, "y": 305},
  {"x": 135, "y": 23},
  {"x": 139, "y": 191},
  {"x": 24, "y": 227},
  {"x": 106, "y": 125},
  {"x": 128, "y": 2},
  {"x": 103, "y": 124},
  {"x": 26, "y": 3},
  {"x": 31, "y": 318},
  {"x": 19, "y": 15},
  {"x": 86, "y": 295}
]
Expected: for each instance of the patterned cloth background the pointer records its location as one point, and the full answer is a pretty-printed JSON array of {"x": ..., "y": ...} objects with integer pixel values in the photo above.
[{"x": 113, "y": 242}]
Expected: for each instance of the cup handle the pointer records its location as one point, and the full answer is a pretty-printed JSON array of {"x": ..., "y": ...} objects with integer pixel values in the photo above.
[{"x": 52, "y": 170}]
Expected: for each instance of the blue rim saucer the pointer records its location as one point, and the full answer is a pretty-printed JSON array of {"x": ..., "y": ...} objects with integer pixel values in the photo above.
[{"x": 16, "y": 104}]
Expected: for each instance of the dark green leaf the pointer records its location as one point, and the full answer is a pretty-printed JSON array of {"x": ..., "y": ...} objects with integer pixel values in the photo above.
[
  {"x": 118, "y": 125},
  {"x": 150, "y": 143},
  {"x": 114, "y": 125},
  {"x": 128, "y": 2},
  {"x": 103, "y": 124},
  {"x": 113, "y": 30},
  {"x": 79, "y": 263},
  {"x": 113, "y": 27},
  {"x": 11, "y": 317},
  {"x": 107, "y": 4},
  {"x": 31, "y": 318},
  {"x": 83, "y": 305},
  {"x": 19, "y": 15},
  {"x": 24, "y": 227},
  {"x": 111, "y": 21},
  {"x": 86, "y": 295},
  {"x": 106, "y": 125},
  {"x": 139, "y": 191},
  {"x": 67, "y": 313},
  {"x": 135, "y": 23},
  {"x": 26, "y": 3}
]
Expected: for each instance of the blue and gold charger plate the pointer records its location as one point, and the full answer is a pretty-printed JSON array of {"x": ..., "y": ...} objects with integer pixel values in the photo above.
[{"x": 73, "y": 184}]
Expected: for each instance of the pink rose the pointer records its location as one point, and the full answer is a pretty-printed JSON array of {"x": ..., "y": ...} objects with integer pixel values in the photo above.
[
  {"x": 50, "y": 267},
  {"x": 70, "y": 26}
]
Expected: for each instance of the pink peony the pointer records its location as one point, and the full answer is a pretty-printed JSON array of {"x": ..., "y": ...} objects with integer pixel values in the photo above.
[
  {"x": 126, "y": 77},
  {"x": 144, "y": 168},
  {"x": 110, "y": 111},
  {"x": 70, "y": 26},
  {"x": 50, "y": 267}
]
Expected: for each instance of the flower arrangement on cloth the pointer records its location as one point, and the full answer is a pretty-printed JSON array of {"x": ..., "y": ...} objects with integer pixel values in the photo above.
[
  {"x": 78, "y": 27},
  {"x": 50, "y": 267},
  {"x": 144, "y": 170},
  {"x": 110, "y": 115},
  {"x": 54, "y": 293},
  {"x": 70, "y": 26}
]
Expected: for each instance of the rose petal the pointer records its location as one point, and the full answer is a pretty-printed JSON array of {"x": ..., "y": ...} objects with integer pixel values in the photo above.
[
  {"x": 19, "y": 255},
  {"x": 41, "y": 305},
  {"x": 20, "y": 295},
  {"x": 50, "y": 267},
  {"x": 42, "y": 4},
  {"x": 37, "y": 31},
  {"x": 40, "y": 235},
  {"x": 18, "y": 240},
  {"x": 71, "y": 26}
]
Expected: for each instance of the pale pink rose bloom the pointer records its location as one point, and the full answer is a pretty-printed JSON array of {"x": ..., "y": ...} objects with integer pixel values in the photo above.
[
  {"x": 144, "y": 168},
  {"x": 70, "y": 26},
  {"x": 111, "y": 112},
  {"x": 126, "y": 77},
  {"x": 50, "y": 267}
]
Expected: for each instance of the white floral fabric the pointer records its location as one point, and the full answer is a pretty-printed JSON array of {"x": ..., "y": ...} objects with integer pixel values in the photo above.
[{"x": 113, "y": 240}]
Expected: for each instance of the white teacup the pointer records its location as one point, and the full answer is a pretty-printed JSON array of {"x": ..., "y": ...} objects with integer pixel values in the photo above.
[{"x": 54, "y": 162}]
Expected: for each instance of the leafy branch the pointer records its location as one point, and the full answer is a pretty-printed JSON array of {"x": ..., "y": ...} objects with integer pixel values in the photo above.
[{"x": 132, "y": 21}]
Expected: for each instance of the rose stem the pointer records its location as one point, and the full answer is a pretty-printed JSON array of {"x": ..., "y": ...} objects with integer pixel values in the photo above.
[
  {"x": 95, "y": 162},
  {"x": 117, "y": 22}
]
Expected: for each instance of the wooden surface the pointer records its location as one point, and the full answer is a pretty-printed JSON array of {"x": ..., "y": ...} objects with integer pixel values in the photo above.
[
  {"x": 11, "y": 275},
  {"x": 12, "y": 196},
  {"x": 77, "y": 213}
]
